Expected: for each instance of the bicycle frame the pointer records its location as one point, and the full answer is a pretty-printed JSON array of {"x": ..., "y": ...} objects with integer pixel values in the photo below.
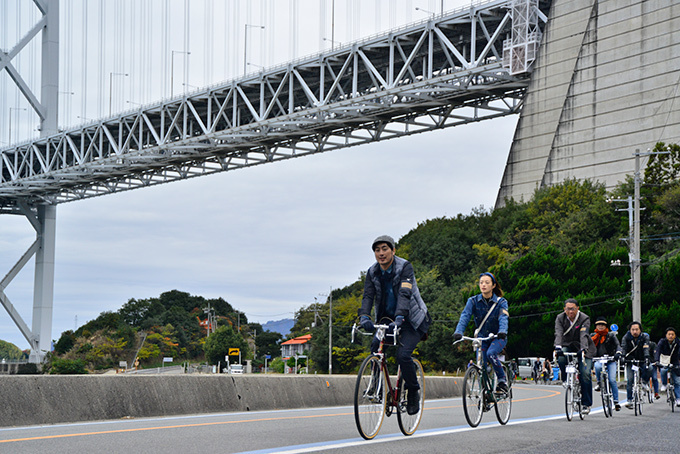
[
  {"x": 477, "y": 374},
  {"x": 605, "y": 388},
  {"x": 377, "y": 396},
  {"x": 573, "y": 386},
  {"x": 670, "y": 385},
  {"x": 381, "y": 333},
  {"x": 637, "y": 385}
]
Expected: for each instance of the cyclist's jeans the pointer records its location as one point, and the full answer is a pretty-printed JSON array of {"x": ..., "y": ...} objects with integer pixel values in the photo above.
[
  {"x": 490, "y": 351},
  {"x": 584, "y": 368},
  {"x": 675, "y": 376},
  {"x": 408, "y": 340},
  {"x": 644, "y": 377},
  {"x": 611, "y": 373},
  {"x": 655, "y": 380}
]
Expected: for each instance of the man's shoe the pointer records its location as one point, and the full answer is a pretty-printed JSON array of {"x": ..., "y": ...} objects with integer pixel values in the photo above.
[
  {"x": 677, "y": 402},
  {"x": 629, "y": 405},
  {"x": 657, "y": 396},
  {"x": 585, "y": 410},
  {"x": 617, "y": 407},
  {"x": 413, "y": 402},
  {"x": 662, "y": 389},
  {"x": 502, "y": 387},
  {"x": 597, "y": 388}
]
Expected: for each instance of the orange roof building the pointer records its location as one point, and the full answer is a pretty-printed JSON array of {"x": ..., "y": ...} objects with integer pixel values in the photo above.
[{"x": 296, "y": 346}]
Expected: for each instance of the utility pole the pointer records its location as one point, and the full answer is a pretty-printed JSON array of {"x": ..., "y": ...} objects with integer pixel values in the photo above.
[
  {"x": 635, "y": 262},
  {"x": 330, "y": 332},
  {"x": 629, "y": 240}
]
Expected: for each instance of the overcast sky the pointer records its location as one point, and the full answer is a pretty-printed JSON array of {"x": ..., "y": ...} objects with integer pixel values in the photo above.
[{"x": 267, "y": 239}]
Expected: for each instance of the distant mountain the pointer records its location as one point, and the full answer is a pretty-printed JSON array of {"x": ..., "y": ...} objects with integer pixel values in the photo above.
[{"x": 279, "y": 326}]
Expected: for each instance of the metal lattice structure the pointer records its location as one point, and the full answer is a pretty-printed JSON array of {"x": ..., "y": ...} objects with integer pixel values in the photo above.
[{"x": 441, "y": 72}]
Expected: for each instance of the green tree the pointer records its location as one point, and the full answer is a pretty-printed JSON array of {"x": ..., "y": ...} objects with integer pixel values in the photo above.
[
  {"x": 9, "y": 350},
  {"x": 268, "y": 343},
  {"x": 218, "y": 344}
]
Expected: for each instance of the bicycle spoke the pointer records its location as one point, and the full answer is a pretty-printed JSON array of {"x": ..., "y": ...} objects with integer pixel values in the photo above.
[
  {"x": 473, "y": 398},
  {"x": 569, "y": 402},
  {"x": 370, "y": 398},
  {"x": 504, "y": 403},
  {"x": 409, "y": 423}
]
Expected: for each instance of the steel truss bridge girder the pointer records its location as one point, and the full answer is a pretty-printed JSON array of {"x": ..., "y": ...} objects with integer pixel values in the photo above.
[{"x": 438, "y": 73}]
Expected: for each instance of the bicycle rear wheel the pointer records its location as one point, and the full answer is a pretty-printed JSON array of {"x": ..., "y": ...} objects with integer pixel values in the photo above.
[
  {"x": 370, "y": 397},
  {"x": 473, "y": 396},
  {"x": 504, "y": 403},
  {"x": 569, "y": 402},
  {"x": 409, "y": 423},
  {"x": 578, "y": 405}
]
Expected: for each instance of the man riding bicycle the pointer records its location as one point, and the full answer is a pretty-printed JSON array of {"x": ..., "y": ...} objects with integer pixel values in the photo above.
[
  {"x": 572, "y": 335},
  {"x": 490, "y": 311},
  {"x": 391, "y": 289},
  {"x": 668, "y": 355},
  {"x": 635, "y": 346},
  {"x": 607, "y": 344}
]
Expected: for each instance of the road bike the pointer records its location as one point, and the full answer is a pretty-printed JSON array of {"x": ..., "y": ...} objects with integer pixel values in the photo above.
[
  {"x": 544, "y": 378},
  {"x": 479, "y": 388},
  {"x": 638, "y": 388},
  {"x": 605, "y": 386},
  {"x": 572, "y": 397},
  {"x": 377, "y": 396}
]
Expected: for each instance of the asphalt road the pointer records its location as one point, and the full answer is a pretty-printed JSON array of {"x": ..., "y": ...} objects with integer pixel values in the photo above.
[{"x": 537, "y": 424}]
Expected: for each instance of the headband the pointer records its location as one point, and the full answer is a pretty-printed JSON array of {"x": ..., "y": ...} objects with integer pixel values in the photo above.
[{"x": 493, "y": 278}]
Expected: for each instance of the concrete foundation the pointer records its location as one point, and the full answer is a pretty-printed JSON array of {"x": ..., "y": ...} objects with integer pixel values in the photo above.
[
  {"x": 605, "y": 83},
  {"x": 52, "y": 399}
]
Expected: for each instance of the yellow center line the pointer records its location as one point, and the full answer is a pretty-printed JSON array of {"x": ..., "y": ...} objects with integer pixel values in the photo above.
[
  {"x": 177, "y": 426},
  {"x": 279, "y": 418}
]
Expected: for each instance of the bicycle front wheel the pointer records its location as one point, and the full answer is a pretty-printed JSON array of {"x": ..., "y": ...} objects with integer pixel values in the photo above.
[
  {"x": 473, "y": 396},
  {"x": 370, "y": 397},
  {"x": 504, "y": 403},
  {"x": 671, "y": 396},
  {"x": 606, "y": 394},
  {"x": 637, "y": 400},
  {"x": 409, "y": 423},
  {"x": 569, "y": 402}
]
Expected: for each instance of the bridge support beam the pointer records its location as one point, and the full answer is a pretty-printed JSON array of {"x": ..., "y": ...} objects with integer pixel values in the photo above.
[
  {"x": 43, "y": 219},
  {"x": 43, "y": 289}
]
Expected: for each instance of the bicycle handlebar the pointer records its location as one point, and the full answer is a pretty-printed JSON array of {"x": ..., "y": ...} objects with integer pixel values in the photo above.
[
  {"x": 380, "y": 332},
  {"x": 605, "y": 358},
  {"x": 475, "y": 339}
]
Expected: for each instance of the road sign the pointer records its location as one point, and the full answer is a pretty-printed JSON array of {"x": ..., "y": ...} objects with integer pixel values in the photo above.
[
  {"x": 268, "y": 356},
  {"x": 233, "y": 351},
  {"x": 167, "y": 359}
]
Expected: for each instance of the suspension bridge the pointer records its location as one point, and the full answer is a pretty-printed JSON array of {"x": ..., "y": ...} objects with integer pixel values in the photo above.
[{"x": 557, "y": 62}]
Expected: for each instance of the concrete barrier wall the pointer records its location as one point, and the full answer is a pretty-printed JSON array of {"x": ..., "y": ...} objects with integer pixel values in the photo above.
[{"x": 51, "y": 399}]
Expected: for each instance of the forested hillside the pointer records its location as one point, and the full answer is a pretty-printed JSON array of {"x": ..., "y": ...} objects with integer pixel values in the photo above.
[{"x": 558, "y": 245}]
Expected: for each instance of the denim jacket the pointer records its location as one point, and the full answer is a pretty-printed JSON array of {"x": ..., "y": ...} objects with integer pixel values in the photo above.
[
  {"x": 476, "y": 306},
  {"x": 409, "y": 302}
]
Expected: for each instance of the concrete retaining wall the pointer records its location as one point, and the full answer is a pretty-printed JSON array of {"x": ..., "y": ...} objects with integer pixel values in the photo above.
[{"x": 51, "y": 399}]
